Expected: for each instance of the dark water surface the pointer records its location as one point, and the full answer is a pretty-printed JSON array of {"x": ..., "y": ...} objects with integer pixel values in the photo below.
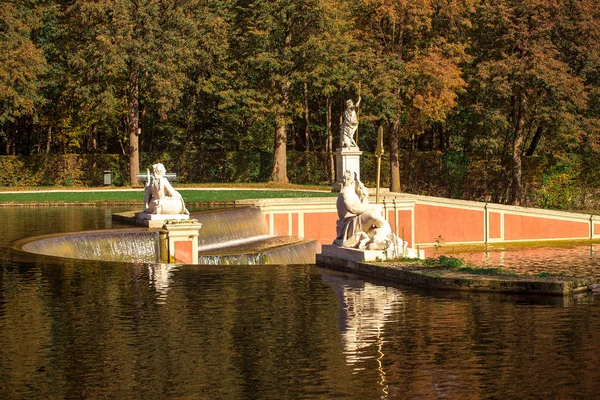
[{"x": 85, "y": 329}]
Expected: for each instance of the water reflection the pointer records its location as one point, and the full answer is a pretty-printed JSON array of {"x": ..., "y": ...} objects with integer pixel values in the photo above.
[
  {"x": 364, "y": 311},
  {"x": 567, "y": 260},
  {"x": 160, "y": 276},
  {"x": 75, "y": 329}
]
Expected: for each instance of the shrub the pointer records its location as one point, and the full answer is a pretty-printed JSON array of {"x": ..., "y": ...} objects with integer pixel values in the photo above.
[{"x": 548, "y": 181}]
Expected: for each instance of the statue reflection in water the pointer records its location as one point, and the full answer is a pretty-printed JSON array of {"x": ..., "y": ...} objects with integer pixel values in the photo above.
[
  {"x": 365, "y": 310},
  {"x": 160, "y": 275}
]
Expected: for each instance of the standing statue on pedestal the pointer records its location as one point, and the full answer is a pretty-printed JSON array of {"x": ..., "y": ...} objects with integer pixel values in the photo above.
[
  {"x": 349, "y": 125},
  {"x": 361, "y": 225},
  {"x": 159, "y": 195}
]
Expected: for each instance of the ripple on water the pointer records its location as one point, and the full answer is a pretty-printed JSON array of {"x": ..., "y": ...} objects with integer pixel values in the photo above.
[
  {"x": 570, "y": 261},
  {"x": 111, "y": 330}
]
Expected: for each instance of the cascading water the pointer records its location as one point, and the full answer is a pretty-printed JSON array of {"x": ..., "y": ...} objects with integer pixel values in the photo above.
[
  {"x": 228, "y": 236},
  {"x": 261, "y": 250},
  {"x": 126, "y": 245},
  {"x": 229, "y": 225},
  {"x": 240, "y": 236}
]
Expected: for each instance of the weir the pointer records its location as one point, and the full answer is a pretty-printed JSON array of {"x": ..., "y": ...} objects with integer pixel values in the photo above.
[
  {"x": 260, "y": 250},
  {"x": 225, "y": 225},
  {"x": 240, "y": 236},
  {"x": 227, "y": 236},
  {"x": 123, "y": 245}
]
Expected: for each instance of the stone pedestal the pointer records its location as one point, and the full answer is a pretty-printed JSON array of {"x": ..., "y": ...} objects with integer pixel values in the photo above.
[
  {"x": 346, "y": 159},
  {"x": 368, "y": 255},
  {"x": 157, "y": 220},
  {"x": 182, "y": 241}
]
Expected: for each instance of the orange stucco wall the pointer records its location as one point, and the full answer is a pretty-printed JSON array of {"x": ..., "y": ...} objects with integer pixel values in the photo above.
[
  {"x": 183, "y": 251},
  {"x": 521, "y": 227},
  {"x": 404, "y": 229},
  {"x": 295, "y": 226},
  {"x": 494, "y": 225},
  {"x": 424, "y": 223},
  {"x": 320, "y": 226},
  {"x": 453, "y": 224},
  {"x": 281, "y": 224}
]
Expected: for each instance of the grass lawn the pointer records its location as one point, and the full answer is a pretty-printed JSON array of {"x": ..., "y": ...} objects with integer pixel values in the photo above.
[{"x": 121, "y": 196}]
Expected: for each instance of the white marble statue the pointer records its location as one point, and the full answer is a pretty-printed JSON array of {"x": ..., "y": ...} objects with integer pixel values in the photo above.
[
  {"x": 361, "y": 225},
  {"x": 159, "y": 195},
  {"x": 349, "y": 125}
]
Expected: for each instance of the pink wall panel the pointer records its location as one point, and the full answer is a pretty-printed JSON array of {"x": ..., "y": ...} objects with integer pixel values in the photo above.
[
  {"x": 405, "y": 226},
  {"x": 281, "y": 224},
  {"x": 295, "y": 226},
  {"x": 320, "y": 226},
  {"x": 521, "y": 227},
  {"x": 404, "y": 229},
  {"x": 494, "y": 225},
  {"x": 453, "y": 224},
  {"x": 596, "y": 229},
  {"x": 183, "y": 251}
]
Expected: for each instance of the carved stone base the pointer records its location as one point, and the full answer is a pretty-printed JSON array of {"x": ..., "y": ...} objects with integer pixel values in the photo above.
[
  {"x": 368, "y": 255},
  {"x": 157, "y": 220},
  {"x": 182, "y": 238},
  {"x": 345, "y": 159}
]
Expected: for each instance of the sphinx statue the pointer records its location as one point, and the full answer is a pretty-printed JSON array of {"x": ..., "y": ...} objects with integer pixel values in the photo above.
[
  {"x": 361, "y": 225},
  {"x": 159, "y": 195}
]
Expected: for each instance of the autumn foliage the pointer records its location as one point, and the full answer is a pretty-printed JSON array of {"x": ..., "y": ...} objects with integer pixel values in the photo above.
[{"x": 503, "y": 93}]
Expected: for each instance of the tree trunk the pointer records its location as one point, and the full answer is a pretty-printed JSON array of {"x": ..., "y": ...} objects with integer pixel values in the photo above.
[
  {"x": 330, "y": 142},
  {"x": 306, "y": 120},
  {"x": 279, "y": 173},
  {"x": 393, "y": 133},
  {"x": 142, "y": 126},
  {"x": 517, "y": 170},
  {"x": 8, "y": 141},
  {"x": 442, "y": 143},
  {"x": 13, "y": 142},
  {"x": 95, "y": 140},
  {"x": 48, "y": 140},
  {"x": 133, "y": 125},
  {"x": 534, "y": 141}
]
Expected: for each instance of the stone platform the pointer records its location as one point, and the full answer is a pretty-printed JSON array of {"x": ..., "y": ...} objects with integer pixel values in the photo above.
[
  {"x": 368, "y": 255},
  {"x": 416, "y": 274},
  {"x": 147, "y": 220}
]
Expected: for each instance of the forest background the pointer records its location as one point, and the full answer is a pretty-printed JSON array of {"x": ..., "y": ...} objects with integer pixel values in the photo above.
[{"x": 493, "y": 100}]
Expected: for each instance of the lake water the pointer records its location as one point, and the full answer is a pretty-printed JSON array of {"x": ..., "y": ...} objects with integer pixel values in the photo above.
[
  {"x": 573, "y": 260},
  {"x": 83, "y": 329}
]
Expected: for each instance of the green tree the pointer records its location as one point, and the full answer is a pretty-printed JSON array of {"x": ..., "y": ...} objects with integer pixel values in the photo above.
[
  {"x": 274, "y": 43},
  {"x": 413, "y": 52},
  {"x": 22, "y": 66},
  {"x": 528, "y": 88},
  {"x": 130, "y": 54},
  {"x": 327, "y": 71}
]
